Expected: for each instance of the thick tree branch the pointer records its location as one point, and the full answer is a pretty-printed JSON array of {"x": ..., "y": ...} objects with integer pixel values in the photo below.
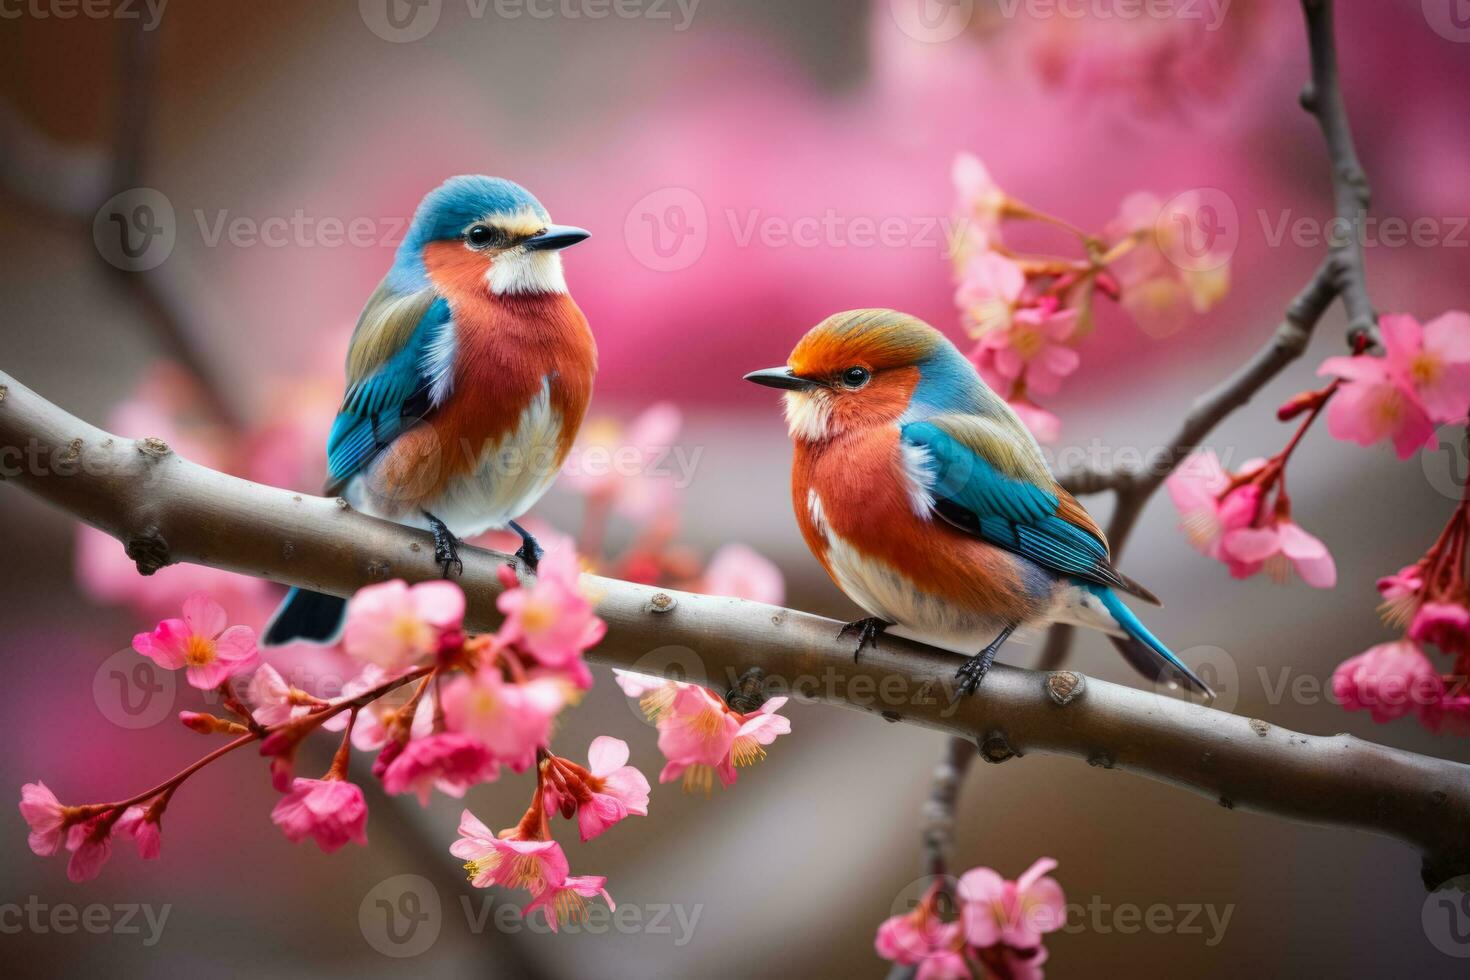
[{"x": 166, "y": 509}]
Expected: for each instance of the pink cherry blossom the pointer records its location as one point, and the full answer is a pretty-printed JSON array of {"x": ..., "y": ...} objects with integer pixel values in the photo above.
[
  {"x": 635, "y": 685},
  {"x": 1376, "y": 403},
  {"x": 449, "y": 761},
  {"x": 511, "y": 720},
  {"x": 269, "y": 697},
  {"x": 1196, "y": 487},
  {"x": 1401, "y": 593},
  {"x": 757, "y": 729},
  {"x": 1031, "y": 347},
  {"x": 982, "y": 203},
  {"x": 393, "y": 624},
  {"x": 616, "y": 788},
  {"x": 511, "y": 862},
  {"x": 696, "y": 734},
  {"x": 201, "y": 643},
  {"x": 567, "y": 901},
  {"x": 1432, "y": 359},
  {"x": 742, "y": 572},
  {"x": 46, "y": 817},
  {"x": 376, "y": 723},
  {"x": 1389, "y": 681},
  {"x": 1442, "y": 624},
  {"x": 90, "y": 843},
  {"x": 330, "y": 811},
  {"x": 1279, "y": 548},
  {"x": 145, "y": 833},
  {"x": 920, "y": 938},
  {"x": 551, "y": 619},
  {"x": 990, "y": 288},
  {"x": 1014, "y": 913}
]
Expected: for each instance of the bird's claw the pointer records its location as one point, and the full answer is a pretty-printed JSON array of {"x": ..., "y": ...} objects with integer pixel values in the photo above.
[
  {"x": 446, "y": 548},
  {"x": 530, "y": 552},
  {"x": 973, "y": 671},
  {"x": 868, "y": 630}
]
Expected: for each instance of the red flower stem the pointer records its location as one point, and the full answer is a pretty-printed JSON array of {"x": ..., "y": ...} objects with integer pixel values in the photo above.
[
  {"x": 172, "y": 783},
  {"x": 338, "y": 769}
]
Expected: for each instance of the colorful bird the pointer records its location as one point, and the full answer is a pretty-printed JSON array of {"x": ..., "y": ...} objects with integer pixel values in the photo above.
[
  {"x": 929, "y": 502},
  {"x": 467, "y": 379}
]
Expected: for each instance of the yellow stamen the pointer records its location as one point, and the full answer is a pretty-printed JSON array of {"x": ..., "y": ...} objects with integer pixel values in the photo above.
[
  {"x": 699, "y": 777},
  {"x": 482, "y": 865},
  {"x": 1398, "y": 612},
  {"x": 570, "y": 906},
  {"x": 1425, "y": 369},
  {"x": 657, "y": 701},
  {"x": 1027, "y": 341},
  {"x": 1201, "y": 527},
  {"x": 526, "y": 873},
  {"x": 411, "y": 631},
  {"x": 708, "y": 722},
  {"x": 1278, "y": 567},
  {"x": 537, "y": 616},
  {"x": 198, "y": 651},
  {"x": 747, "y": 751}
]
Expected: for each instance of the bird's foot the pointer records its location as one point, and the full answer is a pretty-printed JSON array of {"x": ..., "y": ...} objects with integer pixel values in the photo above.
[
  {"x": 973, "y": 671},
  {"x": 530, "y": 552},
  {"x": 868, "y": 630},
  {"x": 446, "y": 547}
]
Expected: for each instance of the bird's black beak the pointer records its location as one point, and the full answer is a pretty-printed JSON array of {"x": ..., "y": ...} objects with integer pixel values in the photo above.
[
  {"x": 780, "y": 377},
  {"x": 555, "y": 238}
]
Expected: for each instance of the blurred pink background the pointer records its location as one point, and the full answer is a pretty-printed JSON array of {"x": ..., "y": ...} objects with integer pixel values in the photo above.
[{"x": 676, "y": 147}]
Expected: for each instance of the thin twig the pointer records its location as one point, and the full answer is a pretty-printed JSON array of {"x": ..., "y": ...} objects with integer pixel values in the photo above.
[{"x": 166, "y": 509}]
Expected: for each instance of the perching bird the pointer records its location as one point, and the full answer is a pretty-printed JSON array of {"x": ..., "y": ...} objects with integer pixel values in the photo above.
[
  {"x": 467, "y": 379},
  {"x": 930, "y": 505}
]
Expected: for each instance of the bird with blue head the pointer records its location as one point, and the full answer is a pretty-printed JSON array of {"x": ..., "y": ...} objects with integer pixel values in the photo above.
[
  {"x": 468, "y": 376},
  {"x": 930, "y": 505}
]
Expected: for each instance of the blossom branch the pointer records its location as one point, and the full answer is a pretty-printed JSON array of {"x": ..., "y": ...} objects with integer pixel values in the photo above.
[
  {"x": 165, "y": 509},
  {"x": 1340, "y": 276}
]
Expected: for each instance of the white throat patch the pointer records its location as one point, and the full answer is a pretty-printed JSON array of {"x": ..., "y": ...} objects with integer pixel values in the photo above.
[
  {"x": 808, "y": 414},
  {"x": 518, "y": 271}
]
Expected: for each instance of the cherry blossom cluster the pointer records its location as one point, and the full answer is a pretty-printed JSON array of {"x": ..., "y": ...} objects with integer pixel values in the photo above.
[
  {"x": 441, "y": 709},
  {"x": 1028, "y": 314},
  {"x": 998, "y": 929},
  {"x": 699, "y": 734},
  {"x": 1430, "y": 601}
]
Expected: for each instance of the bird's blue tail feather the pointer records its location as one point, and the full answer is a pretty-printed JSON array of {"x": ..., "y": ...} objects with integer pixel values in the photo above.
[
  {"x": 1143, "y": 644},
  {"x": 309, "y": 616}
]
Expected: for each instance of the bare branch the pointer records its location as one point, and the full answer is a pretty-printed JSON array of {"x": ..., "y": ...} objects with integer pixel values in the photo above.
[{"x": 165, "y": 509}]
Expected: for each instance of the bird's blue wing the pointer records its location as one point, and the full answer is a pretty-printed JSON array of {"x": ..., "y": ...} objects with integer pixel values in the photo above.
[
  {"x": 393, "y": 389},
  {"x": 1040, "y": 523}
]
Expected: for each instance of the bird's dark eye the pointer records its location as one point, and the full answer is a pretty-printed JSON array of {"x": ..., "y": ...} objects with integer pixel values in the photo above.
[
  {"x": 481, "y": 236},
  {"x": 856, "y": 377}
]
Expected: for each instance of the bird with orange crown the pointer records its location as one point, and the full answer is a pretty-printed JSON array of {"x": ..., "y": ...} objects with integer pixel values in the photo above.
[
  {"x": 930, "y": 505},
  {"x": 467, "y": 378}
]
